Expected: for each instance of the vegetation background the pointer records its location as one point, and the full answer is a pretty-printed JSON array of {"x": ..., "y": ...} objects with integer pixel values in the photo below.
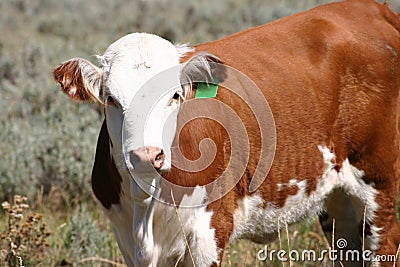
[{"x": 47, "y": 143}]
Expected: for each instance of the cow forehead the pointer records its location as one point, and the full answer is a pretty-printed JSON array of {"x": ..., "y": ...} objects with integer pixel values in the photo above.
[{"x": 132, "y": 60}]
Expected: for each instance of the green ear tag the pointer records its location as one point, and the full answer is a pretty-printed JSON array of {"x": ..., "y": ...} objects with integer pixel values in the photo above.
[{"x": 205, "y": 90}]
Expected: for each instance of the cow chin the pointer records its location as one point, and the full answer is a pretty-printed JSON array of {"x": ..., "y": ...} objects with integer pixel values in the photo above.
[{"x": 165, "y": 168}]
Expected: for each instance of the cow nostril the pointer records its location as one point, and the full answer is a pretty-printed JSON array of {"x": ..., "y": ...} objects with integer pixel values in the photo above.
[{"x": 146, "y": 159}]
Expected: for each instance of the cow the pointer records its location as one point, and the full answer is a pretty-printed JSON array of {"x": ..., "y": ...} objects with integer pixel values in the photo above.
[{"x": 331, "y": 78}]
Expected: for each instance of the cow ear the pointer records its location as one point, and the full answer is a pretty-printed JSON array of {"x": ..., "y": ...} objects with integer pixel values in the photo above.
[
  {"x": 203, "y": 67},
  {"x": 79, "y": 79}
]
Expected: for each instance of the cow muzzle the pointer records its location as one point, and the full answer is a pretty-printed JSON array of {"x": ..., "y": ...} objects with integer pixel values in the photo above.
[{"x": 147, "y": 159}]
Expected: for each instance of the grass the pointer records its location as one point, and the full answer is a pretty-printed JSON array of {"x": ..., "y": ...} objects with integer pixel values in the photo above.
[
  {"x": 48, "y": 142},
  {"x": 43, "y": 234},
  {"x": 40, "y": 236},
  {"x": 306, "y": 236},
  {"x": 25, "y": 234}
]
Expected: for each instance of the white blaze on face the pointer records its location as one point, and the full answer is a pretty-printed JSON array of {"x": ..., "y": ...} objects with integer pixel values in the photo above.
[
  {"x": 152, "y": 115},
  {"x": 140, "y": 95},
  {"x": 160, "y": 126}
]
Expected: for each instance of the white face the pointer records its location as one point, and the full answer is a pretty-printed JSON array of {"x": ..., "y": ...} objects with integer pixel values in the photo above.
[
  {"x": 141, "y": 90},
  {"x": 139, "y": 82}
]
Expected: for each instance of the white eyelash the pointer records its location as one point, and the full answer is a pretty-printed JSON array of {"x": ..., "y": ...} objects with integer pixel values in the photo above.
[{"x": 180, "y": 93}]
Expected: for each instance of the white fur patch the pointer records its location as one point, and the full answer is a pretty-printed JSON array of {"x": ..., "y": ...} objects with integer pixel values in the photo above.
[
  {"x": 134, "y": 59},
  {"x": 72, "y": 90},
  {"x": 260, "y": 224},
  {"x": 350, "y": 179},
  {"x": 167, "y": 244},
  {"x": 183, "y": 49},
  {"x": 169, "y": 232}
]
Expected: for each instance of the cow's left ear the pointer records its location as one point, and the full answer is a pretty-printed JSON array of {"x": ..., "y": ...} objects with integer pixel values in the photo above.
[
  {"x": 203, "y": 67},
  {"x": 79, "y": 79}
]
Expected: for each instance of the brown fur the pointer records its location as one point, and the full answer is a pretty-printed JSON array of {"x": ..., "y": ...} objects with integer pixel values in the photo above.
[
  {"x": 80, "y": 75},
  {"x": 331, "y": 76}
]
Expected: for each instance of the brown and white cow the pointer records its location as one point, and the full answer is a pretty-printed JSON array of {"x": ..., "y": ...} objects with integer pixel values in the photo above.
[{"x": 331, "y": 76}]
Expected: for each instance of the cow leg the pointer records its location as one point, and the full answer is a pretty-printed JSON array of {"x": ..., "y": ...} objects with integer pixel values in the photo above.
[
  {"x": 208, "y": 244},
  {"x": 340, "y": 226},
  {"x": 202, "y": 249},
  {"x": 381, "y": 168},
  {"x": 189, "y": 263},
  {"x": 384, "y": 233}
]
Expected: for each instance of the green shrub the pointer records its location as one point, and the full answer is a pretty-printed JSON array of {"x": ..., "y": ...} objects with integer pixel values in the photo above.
[
  {"x": 85, "y": 239},
  {"x": 25, "y": 235}
]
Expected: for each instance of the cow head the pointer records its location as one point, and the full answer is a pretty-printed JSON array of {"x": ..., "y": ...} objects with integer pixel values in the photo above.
[{"x": 139, "y": 83}]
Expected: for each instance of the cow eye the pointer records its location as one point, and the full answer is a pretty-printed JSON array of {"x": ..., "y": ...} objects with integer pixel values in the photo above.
[
  {"x": 110, "y": 100},
  {"x": 176, "y": 96}
]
